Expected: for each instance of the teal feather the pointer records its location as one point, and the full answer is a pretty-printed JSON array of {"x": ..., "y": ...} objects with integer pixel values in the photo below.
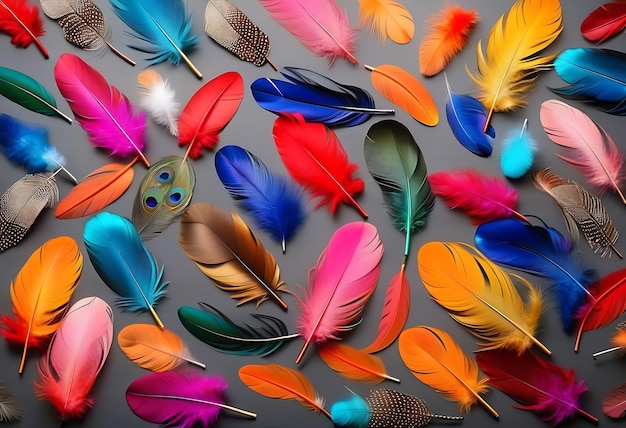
[{"x": 518, "y": 153}]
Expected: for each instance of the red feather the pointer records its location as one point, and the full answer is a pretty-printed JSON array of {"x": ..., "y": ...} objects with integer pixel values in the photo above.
[
  {"x": 315, "y": 158},
  {"x": 614, "y": 404},
  {"x": 208, "y": 111},
  {"x": 604, "y": 22},
  {"x": 20, "y": 20}
]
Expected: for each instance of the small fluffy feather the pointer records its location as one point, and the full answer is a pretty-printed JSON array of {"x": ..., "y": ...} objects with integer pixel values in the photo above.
[
  {"x": 518, "y": 153},
  {"x": 159, "y": 99},
  {"x": 28, "y": 14}
]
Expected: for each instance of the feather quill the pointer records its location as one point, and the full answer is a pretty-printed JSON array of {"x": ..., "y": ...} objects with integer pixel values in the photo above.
[
  {"x": 518, "y": 153},
  {"x": 41, "y": 292},
  {"x": 387, "y": 19},
  {"x": 123, "y": 262},
  {"x": 159, "y": 99},
  {"x": 614, "y": 404},
  {"x": 433, "y": 357},
  {"x": 22, "y": 203},
  {"x": 20, "y": 20},
  {"x": 353, "y": 364},
  {"x": 618, "y": 341},
  {"x": 75, "y": 356},
  {"x": 340, "y": 284},
  {"x": 9, "y": 409},
  {"x": 604, "y": 22}
]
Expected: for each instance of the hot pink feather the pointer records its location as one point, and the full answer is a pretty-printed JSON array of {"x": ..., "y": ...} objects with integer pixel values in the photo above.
[
  {"x": 320, "y": 25},
  {"x": 340, "y": 284},
  {"x": 75, "y": 357}
]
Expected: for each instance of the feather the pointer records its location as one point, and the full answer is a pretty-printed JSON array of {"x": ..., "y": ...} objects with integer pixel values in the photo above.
[
  {"x": 41, "y": 292},
  {"x": 541, "y": 251},
  {"x": 123, "y": 262},
  {"x": 447, "y": 34},
  {"x": 396, "y": 163},
  {"x": 437, "y": 360},
  {"x": 482, "y": 197},
  {"x": 595, "y": 76},
  {"x": 518, "y": 153},
  {"x": 274, "y": 202},
  {"x": 581, "y": 210},
  {"x": 96, "y": 191},
  {"x": 508, "y": 68},
  {"x": 614, "y": 404},
  {"x": 466, "y": 117},
  {"x": 594, "y": 153},
  {"x": 163, "y": 195},
  {"x": 315, "y": 158},
  {"x": 224, "y": 248},
  {"x": 27, "y": 92},
  {"x": 401, "y": 88},
  {"x": 218, "y": 331},
  {"x": 535, "y": 383},
  {"x": 208, "y": 111},
  {"x": 75, "y": 356},
  {"x": 102, "y": 110},
  {"x": 604, "y": 22},
  {"x": 321, "y": 26},
  {"x": 387, "y": 19},
  {"x": 20, "y": 20},
  {"x": 164, "y": 27},
  {"x": 83, "y": 24},
  {"x": 618, "y": 340},
  {"x": 22, "y": 203},
  {"x": 481, "y": 296},
  {"x": 9, "y": 409},
  {"x": 154, "y": 348},
  {"x": 183, "y": 399},
  {"x": 340, "y": 284},
  {"x": 354, "y": 364},
  {"x": 230, "y": 28},
  {"x": 276, "y": 381},
  {"x": 316, "y": 97},
  {"x": 158, "y": 98},
  {"x": 27, "y": 146}
]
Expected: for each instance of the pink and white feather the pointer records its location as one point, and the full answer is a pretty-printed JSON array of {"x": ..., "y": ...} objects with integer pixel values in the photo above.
[{"x": 159, "y": 99}]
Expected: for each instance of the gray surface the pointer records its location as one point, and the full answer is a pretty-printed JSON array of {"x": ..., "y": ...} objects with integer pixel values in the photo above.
[{"x": 251, "y": 128}]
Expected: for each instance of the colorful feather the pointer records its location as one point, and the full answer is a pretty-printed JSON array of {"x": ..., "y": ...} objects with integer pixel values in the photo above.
[
  {"x": 274, "y": 203},
  {"x": 41, "y": 292},
  {"x": 20, "y": 20},
  {"x": 315, "y": 158},
  {"x": 353, "y": 364},
  {"x": 158, "y": 98},
  {"x": 218, "y": 331},
  {"x": 518, "y": 153},
  {"x": 387, "y": 19},
  {"x": 447, "y": 34},
  {"x": 437, "y": 360},
  {"x": 604, "y": 22},
  {"x": 340, "y": 284},
  {"x": 401, "y": 88},
  {"x": 535, "y": 383},
  {"x": 76, "y": 355},
  {"x": 508, "y": 68},
  {"x": 614, "y": 404},
  {"x": 320, "y": 25},
  {"x": 9, "y": 409},
  {"x": 224, "y": 248},
  {"x": 183, "y": 399},
  {"x": 481, "y": 296},
  {"x": 123, "y": 262},
  {"x": 618, "y": 341},
  {"x": 316, "y": 97},
  {"x": 102, "y": 110},
  {"x": 21, "y": 205}
]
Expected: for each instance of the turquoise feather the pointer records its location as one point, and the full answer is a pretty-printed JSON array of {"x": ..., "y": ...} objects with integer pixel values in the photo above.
[{"x": 518, "y": 153}]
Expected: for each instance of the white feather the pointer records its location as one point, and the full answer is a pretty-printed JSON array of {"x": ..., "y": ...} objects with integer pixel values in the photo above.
[{"x": 158, "y": 99}]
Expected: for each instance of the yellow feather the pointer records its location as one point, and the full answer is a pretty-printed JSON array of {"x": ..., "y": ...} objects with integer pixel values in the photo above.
[{"x": 387, "y": 18}]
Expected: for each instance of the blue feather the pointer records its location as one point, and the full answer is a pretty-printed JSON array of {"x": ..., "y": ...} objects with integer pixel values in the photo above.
[
  {"x": 518, "y": 153},
  {"x": 351, "y": 413},
  {"x": 594, "y": 75},
  {"x": 541, "y": 251},
  {"x": 317, "y": 98},
  {"x": 125, "y": 265},
  {"x": 273, "y": 201}
]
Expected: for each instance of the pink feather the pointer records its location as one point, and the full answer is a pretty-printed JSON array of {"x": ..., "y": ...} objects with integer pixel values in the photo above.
[
  {"x": 320, "y": 25},
  {"x": 75, "y": 356},
  {"x": 340, "y": 284},
  {"x": 594, "y": 153}
]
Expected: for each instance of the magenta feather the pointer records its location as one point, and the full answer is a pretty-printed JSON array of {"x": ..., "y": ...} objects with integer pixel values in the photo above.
[
  {"x": 320, "y": 25},
  {"x": 340, "y": 284}
]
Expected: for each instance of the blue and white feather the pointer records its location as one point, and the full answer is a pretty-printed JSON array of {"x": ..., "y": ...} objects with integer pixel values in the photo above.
[{"x": 518, "y": 153}]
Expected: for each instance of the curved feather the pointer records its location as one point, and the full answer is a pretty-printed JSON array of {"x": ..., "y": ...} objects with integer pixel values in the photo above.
[
  {"x": 387, "y": 19},
  {"x": 20, "y": 20},
  {"x": 158, "y": 98},
  {"x": 604, "y": 22},
  {"x": 518, "y": 153},
  {"x": 354, "y": 364},
  {"x": 614, "y": 404}
]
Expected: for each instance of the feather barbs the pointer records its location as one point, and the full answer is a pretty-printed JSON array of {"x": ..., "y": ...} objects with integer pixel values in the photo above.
[{"x": 387, "y": 19}]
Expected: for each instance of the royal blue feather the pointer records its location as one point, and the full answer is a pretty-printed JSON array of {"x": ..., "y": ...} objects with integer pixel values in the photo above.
[
  {"x": 518, "y": 153},
  {"x": 541, "y": 251},
  {"x": 274, "y": 202},
  {"x": 594, "y": 75},
  {"x": 316, "y": 97}
]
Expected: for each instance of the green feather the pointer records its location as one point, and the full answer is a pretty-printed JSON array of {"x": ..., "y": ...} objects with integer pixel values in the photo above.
[{"x": 396, "y": 163}]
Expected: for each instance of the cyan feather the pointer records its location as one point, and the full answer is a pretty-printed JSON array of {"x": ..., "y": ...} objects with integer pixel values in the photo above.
[
  {"x": 541, "y": 251},
  {"x": 274, "y": 202},
  {"x": 518, "y": 153}
]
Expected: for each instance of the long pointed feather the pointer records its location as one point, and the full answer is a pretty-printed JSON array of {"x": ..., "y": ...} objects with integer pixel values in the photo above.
[{"x": 354, "y": 364}]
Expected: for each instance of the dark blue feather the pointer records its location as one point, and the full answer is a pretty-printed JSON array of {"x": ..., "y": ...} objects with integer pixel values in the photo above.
[
  {"x": 274, "y": 202},
  {"x": 317, "y": 98},
  {"x": 594, "y": 75},
  {"x": 541, "y": 251}
]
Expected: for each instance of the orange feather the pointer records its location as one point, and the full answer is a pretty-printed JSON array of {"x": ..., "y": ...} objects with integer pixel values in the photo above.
[
  {"x": 387, "y": 19},
  {"x": 354, "y": 364}
]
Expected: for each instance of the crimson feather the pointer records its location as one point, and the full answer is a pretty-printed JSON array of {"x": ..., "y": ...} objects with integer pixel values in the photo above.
[
  {"x": 20, "y": 20},
  {"x": 614, "y": 404},
  {"x": 604, "y": 22}
]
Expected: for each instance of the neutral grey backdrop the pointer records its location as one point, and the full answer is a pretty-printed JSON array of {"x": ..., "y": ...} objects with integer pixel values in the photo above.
[{"x": 251, "y": 128}]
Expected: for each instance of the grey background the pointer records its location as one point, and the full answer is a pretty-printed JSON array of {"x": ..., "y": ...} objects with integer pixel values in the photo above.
[{"x": 251, "y": 128}]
